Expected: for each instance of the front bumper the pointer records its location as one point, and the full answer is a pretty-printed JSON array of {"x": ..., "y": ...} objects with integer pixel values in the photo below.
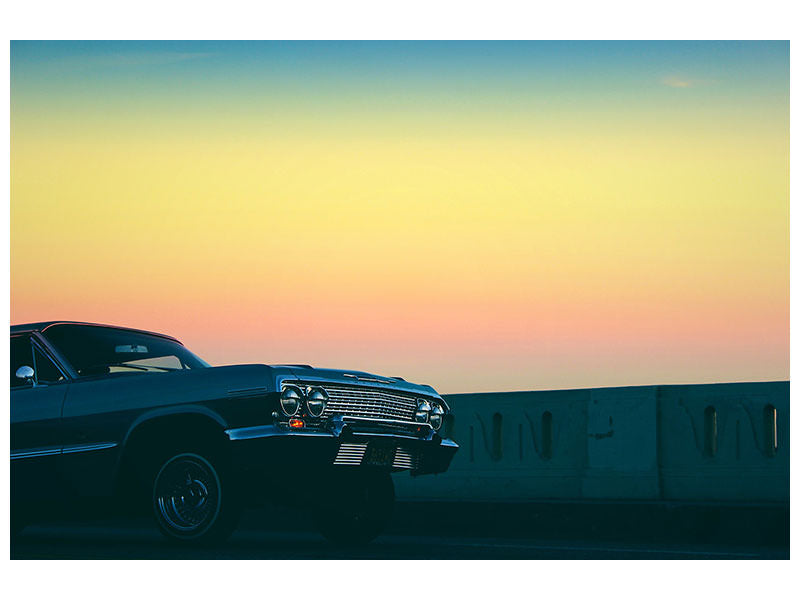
[{"x": 343, "y": 444}]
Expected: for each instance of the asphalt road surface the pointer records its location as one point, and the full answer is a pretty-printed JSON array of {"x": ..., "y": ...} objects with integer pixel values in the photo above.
[{"x": 139, "y": 539}]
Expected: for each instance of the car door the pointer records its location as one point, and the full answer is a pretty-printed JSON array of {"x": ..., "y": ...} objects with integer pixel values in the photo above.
[{"x": 37, "y": 399}]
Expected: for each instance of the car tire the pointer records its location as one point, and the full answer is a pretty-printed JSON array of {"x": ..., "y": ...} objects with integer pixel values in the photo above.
[
  {"x": 359, "y": 511},
  {"x": 194, "y": 499}
]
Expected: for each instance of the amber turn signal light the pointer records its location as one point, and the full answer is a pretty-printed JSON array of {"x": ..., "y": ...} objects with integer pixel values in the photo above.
[{"x": 296, "y": 423}]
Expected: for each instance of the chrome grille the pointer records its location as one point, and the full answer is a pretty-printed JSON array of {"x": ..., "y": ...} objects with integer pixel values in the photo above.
[
  {"x": 404, "y": 459},
  {"x": 353, "y": 454},
  {"x": 368, "y": 402},
  {"x": 350, "y": 454}
]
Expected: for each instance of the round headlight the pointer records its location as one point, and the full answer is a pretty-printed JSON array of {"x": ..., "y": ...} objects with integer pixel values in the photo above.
[
  {"x": 316, "y": 401},
  {"x": 423, "y": 411},
  {"x": 290, "y": 400},
  {"x": 437, "y": 416}
]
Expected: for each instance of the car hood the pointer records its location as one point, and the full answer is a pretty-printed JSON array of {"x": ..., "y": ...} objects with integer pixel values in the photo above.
[{"x": 348, "y": 377}]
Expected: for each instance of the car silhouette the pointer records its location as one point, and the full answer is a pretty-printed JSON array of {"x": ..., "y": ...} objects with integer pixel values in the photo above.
[{"x": 108, "y": 420}]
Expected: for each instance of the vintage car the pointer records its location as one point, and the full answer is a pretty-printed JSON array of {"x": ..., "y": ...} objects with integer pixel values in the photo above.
[{"x": 120, "y": 419}]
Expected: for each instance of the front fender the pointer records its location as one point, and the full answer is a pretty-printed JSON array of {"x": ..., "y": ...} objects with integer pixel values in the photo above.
[{"x": 168, "y": 411}]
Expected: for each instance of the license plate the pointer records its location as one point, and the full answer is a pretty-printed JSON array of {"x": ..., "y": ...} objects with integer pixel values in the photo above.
[{"x": 379, "y": 455}]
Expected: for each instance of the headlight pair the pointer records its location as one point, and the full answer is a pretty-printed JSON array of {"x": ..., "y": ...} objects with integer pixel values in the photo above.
[
  {"x": 429, "y": 412},
  {"x": 293, "y": 397}
]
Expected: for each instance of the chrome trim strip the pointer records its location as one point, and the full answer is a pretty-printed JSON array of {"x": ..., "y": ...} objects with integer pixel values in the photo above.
[
  {"x": 450, "y": 443},
  {"x": 349, "y": 419},
  {"x": 376, "y": 379},
  {"x": 55, "y": 354},
  {"x": 389, "y": 435},
  {"x": 37, "y": 345},
  {"x": 88, "y": 447},
  {"x": 262, "y": 431},
  {"x": 66, "y": 450},
  {"x": 35, "y": 453},
  {"x": 248, "y": 391}
]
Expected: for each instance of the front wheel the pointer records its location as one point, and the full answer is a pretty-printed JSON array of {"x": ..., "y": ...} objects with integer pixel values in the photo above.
[
  {"x": 359, "y": 510},
  {"x": 194, "y": 500}
]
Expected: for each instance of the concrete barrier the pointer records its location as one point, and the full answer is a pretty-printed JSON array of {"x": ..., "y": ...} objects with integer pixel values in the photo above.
[{"x": 719, "y": 443}]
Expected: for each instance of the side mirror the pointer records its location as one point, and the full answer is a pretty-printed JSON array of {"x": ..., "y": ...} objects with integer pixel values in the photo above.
[{"x": 25, "y": 373}]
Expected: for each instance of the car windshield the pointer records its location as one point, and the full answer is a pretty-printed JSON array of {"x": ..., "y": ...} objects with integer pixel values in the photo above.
[{"x": 94, "y": 350}]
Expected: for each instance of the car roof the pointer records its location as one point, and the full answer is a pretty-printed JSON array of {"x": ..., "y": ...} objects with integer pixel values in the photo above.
[{"x": 41, "y": 326}]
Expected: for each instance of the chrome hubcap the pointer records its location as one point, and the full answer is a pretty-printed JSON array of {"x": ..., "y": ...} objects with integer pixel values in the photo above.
[{"x": 187, "y": 493}]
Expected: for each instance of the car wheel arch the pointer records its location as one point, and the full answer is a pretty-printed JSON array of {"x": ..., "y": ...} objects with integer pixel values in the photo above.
[{"x": 156, "y": 430}]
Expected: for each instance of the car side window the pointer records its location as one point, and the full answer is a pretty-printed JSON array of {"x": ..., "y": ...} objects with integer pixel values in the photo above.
[
  {"x": 21, "y": 356},
  {"x": 46, "y": 370}
]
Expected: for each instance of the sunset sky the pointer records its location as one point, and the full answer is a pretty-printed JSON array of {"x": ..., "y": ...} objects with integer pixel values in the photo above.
[{"x": 476, "y": 216}]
